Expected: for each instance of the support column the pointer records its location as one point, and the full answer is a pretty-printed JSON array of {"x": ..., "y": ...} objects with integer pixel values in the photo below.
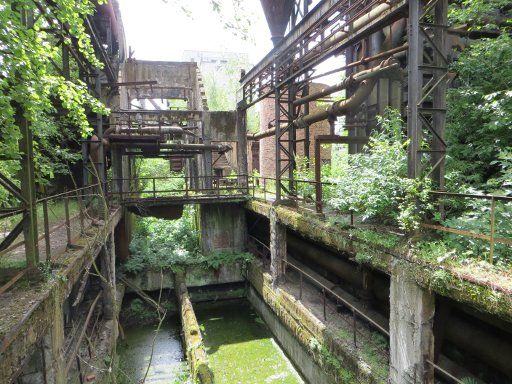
[
  {"x": 56, "y": 364},
  {"x": 241, "y": 131},
  {"x": 108, "y": 282},
  {"x": 223, "y": 227},
  {"x": 277, "y": 247},
  {"x": 411, "y": 330}
]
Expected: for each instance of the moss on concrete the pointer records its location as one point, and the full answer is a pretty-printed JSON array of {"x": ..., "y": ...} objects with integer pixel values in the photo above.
[
  {"x": 195, "y": 350},
  {"x": 380, "y": 250},
  {"x": 341, "y": 363}
]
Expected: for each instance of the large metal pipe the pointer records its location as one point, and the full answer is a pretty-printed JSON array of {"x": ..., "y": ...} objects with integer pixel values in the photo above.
[
  {"x": 352, "y": 28},
  {"x": 366, "y": 79},
  {"x": 341, "y": 107},
  {"x": 382, "y": 69},
  {"x": 185, "y": 147},
  {"x": 165, "y": 130}
]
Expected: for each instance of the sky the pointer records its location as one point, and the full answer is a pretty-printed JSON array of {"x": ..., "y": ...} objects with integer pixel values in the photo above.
[{"x": 160, "y": 30}]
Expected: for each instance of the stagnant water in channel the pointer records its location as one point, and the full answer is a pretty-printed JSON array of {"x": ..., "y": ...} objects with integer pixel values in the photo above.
[
  {"x": 241, "y": 349},
  {"x": 167, "y": 365}
]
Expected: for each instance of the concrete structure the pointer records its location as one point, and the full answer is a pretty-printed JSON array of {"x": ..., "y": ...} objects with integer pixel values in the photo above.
[
  {"x": 411, "y": 330},
  {"x": 223, "y": 228},
  {"x": 278, "y": 248}
]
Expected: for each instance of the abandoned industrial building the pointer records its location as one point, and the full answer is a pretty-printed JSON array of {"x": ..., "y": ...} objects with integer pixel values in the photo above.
[{"x": 297, "y": 191}]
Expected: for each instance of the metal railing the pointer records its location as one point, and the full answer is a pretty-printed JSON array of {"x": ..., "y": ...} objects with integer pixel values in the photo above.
[
  {"x": 66, "y": 212},
  {"x": 178, "y": 187},
  {"x": 443, "y": 197},
  {"x": 263, "y": 251},
  {"x": 306, "y": 195}
]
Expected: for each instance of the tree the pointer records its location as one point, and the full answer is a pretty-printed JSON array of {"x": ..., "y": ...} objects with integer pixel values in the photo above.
[
  {"x": 30, "y": 81},
  {"x": 480, "y": 110}
]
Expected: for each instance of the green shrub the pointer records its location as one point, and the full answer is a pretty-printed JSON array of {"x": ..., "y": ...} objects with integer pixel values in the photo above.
[{"x": 374, "y": 183}]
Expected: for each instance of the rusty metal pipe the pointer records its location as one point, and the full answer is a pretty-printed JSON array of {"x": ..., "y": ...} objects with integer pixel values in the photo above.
[
  {"x": 382, "y": 69},
  {"x": 166, "y": 130},
  {"x": 352, "y": 28},
  {"x": 176, "y": 146},
  {"x": 341, "y": 107}
]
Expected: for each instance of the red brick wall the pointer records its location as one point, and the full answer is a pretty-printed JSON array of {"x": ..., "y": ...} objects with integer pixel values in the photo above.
[{"x": 267, "y": 145}]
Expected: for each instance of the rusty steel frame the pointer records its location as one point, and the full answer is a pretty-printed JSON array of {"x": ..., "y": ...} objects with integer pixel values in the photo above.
[{"x": 285, "y": 73}]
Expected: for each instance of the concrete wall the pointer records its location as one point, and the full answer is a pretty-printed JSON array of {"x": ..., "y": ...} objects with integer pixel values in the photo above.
[
  {"x": 312, "y": 372},
  {"x": 223, "y": 227},
  {"x": 195, "y": 277}
]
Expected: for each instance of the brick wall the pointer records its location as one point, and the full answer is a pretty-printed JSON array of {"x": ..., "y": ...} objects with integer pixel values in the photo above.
[{"x": 267, "y": 145}]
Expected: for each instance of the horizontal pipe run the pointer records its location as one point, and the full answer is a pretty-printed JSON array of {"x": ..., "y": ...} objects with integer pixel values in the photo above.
[
  {"x": 339, "y": 108},
  {"x": 350, "y": 81},
  {"x": 174, "y": 146}
]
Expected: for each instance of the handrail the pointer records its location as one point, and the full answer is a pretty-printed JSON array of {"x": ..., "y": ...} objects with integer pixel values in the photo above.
[{"x": 491, "y": 237}]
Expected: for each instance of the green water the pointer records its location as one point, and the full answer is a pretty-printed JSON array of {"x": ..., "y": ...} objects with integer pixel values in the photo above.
[
  {"x": 240, "y": 347},
  {"x": 167, "y": 365}
]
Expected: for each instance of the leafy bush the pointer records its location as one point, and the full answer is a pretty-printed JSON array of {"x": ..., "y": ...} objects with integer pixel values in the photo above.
[
  {"x": 479, "y": 120},
  {"x": 477, "y": 219},
  {"x": 374, "y": 184},
  {"x": 216, "y": 260},
  {"x": 159, "y": 243}
]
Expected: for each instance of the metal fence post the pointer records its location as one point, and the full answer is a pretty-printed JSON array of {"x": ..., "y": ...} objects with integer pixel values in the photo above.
[
  {"x": 68, "y": 222},
  {"x": 48, "y": 248},
  {"x": 301, "y": 283},
  {"x": 325, "y": 312},
  {"x": 493, "y": 229}
]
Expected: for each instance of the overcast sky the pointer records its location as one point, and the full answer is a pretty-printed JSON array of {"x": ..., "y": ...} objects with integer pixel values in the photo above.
[{"x": 159, "y": 30}]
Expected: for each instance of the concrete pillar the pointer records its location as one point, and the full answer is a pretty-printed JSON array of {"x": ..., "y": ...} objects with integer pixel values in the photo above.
[
  {"x": 108, "y": 282},
  {"x": 223, "y": 227},
  {"x": 55, "y": 360},
  {"x": 410, "y": 327},
  {"x": 277, "y": 247}
]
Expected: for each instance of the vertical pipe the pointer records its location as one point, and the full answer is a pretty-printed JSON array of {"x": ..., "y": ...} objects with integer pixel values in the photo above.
[
  {"x": 318, "y": 178},
  {"x": 241, "y": 125},
  {"x": 277, "y": 149},
  {"x": 27, "y": 172}
]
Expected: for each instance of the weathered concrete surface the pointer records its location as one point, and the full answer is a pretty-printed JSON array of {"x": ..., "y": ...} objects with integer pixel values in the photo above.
[
  {"x": 195, "y": 350},
  {"x": 308, "y": 330},
  {"x": 196, "y": 276},
  {"x": 410, "y": 328},
  {"x": 32, "y": 310},
  {"x": 459, "y": 286},
  {"x": 277, "y": 247},
  {"x": 223, "y": 126},
  {"x": 223, "y": 227}
]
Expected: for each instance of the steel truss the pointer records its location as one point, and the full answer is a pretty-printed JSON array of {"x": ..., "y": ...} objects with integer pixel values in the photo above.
[
  {"x": 427, "y": 82},
  {"x": 332, "y": 28}
]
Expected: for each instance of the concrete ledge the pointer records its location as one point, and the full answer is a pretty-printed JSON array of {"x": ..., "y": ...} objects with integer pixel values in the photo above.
[
  {"x": 447, "y": 281},
  {"x": 336, "y": 362},
  {"x": 195, "y": 350},
  {"x": 195, "y": 276},
  {"x": 30, "y": 309}
]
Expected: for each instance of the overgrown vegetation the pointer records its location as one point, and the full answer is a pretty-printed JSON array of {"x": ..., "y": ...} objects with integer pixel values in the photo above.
[
  {"x": 56, "y": 108},
  {"x": 374, "y": 184},
  {"x": 171, "y": 244}
]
